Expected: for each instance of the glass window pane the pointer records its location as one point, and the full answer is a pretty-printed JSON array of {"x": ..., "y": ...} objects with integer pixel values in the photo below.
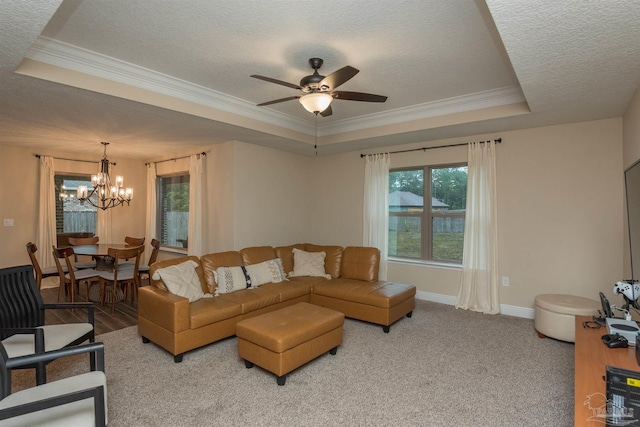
[
  {"x": 449, "y": 189},
  {"x": 405, "y": 236},
  {"x": 448, "y": 238},
  {"x": 73, "y": 216},
  {"x": 406, "y": 190},
  {"x": 173, "y": 210}
]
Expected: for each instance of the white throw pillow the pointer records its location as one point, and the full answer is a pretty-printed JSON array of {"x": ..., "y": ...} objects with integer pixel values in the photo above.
[
  {"x": 308, "y": 264},
  {"x": 270, "y": 271},
  {"x": 229, "y": 279},
  {"x": 181, "y": 279}
]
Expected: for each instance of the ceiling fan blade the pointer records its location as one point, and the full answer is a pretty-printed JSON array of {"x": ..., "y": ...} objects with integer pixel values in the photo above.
[
  {"x": 289, "y": 98},
  {"x": 337, "y": 78},
  {"x": 327, "y": 112},
  {"x": 358, "y": 96},
  {"x": 276, "y": 81}
]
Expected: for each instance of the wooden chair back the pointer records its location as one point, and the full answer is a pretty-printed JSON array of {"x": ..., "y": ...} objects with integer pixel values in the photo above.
[
  {"x": 21, "y": 304},
  {"x": 134, "y": 241},
  {"x": 120, "y": 255},
  {"x": 79, "y": 241},
  {"x": 31, "y": 250},
  {"x": 155, "y": 244}
]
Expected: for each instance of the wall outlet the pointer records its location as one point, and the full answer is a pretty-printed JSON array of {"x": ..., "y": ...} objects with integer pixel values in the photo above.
[
  {"x": 8, "y": 222},
  {"x": 505, "y": 280}
]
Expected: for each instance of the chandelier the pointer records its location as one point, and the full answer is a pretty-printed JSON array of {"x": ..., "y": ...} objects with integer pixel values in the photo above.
[{"x": 107, "y": 194}]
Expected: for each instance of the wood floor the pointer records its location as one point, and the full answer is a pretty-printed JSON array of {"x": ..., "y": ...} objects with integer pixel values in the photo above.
[{"x": 124, "y": 315}]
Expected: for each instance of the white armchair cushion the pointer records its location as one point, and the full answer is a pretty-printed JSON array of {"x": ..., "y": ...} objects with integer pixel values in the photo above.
[
  {"x": 55, "y": 337},
  {"x": 79, "y": 413}
]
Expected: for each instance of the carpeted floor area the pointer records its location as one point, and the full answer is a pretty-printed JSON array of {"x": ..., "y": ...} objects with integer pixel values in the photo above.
[{"x": 442, "y": 367}]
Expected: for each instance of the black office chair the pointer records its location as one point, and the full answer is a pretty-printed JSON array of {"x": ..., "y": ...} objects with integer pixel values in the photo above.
[{"x": 22, "y": 318}]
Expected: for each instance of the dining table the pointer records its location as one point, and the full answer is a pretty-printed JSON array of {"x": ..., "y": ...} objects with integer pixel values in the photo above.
[{"x": 100, "y": 252}]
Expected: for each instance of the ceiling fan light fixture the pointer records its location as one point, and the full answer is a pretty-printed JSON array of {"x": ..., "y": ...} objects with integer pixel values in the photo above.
[{"x": 316, "y": 102}]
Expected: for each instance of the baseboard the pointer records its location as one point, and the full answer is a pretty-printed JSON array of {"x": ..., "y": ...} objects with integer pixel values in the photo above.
[{"x": 508, "y": 310}]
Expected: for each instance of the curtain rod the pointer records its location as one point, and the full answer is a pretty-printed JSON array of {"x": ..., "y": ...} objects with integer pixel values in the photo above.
[
  {"x": 72, "y": 160},
  {"x": 497, "y": 141},
  {"x": 204, "y": 153}
]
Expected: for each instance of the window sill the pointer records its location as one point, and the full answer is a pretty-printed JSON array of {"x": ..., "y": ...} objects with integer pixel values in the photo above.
[
  {"x": 424, "y": 263},
  {"x": 172, "y": 250}
]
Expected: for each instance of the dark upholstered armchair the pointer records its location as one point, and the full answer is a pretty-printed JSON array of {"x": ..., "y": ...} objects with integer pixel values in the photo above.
[
  {"x": 22, "y": 315},
  {"x": 76, "y": 400}
]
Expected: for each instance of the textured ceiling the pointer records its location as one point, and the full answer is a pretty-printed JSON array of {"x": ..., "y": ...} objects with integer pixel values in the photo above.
[{"x": 158, "y": 78}]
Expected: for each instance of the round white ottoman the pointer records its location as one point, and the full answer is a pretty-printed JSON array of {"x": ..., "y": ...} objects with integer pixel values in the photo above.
[{"x": 555, "y": 314}]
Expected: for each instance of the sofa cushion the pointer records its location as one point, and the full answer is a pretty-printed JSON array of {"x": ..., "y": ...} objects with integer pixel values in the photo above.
[
  {"x": 285, "y": 253},
  {"x": 211, "y": 262},
  {"x": 308, "y": 264},
  {"x": 288, "y": 290},
  {"x": 231, "y": 279},
  {"x": 181, "y": 279},
  {"x": 378, "y": 294},
  {"x": 360, "y": 263},
  {"x": 211, "y": 310},
  {"x": 253, "y": 299},
  {"x": 332, "y": 260},
  {"x": 257, "y": 254},
  {"x": 270, "y": 271}
]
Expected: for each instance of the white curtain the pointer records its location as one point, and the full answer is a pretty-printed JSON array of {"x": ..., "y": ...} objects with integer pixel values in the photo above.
[
  {"x": 196, "y": 183},
  {"x": 46, "y": 232},
  {"x": 103, "y": 226},
  {"x": 479, "y": 285},
  {"x": 376, "y": 207},
  {"x": 150, "y": 232}
]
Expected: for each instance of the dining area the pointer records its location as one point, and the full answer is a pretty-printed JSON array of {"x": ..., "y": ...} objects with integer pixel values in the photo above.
[{"x": 94, "y": 271}]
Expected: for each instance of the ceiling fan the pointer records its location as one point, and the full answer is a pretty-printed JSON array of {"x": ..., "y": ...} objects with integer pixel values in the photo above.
[{"x": 319, "y": 90}]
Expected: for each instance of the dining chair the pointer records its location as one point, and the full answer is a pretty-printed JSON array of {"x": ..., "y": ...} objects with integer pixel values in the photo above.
[
  {"x": 80, "y": 241},
  {"x": 143, "y": 269},
  {"x": 22, "y": 321},
  {"x": 71, "y": 280},
  {"x": 124, "y": 277},
  {"x": 134, "y": 241},
  {"x": 76, "y": 400},
  {"x": 40, "y": 272}
]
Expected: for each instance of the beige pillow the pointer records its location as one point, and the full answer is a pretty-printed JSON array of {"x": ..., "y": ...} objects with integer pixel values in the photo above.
[
  {"x": 308, "y": 264},
  {"x": 229, "y": 279},
  {"x": 270, "y": 271},
  {"x": 182, "y": 280}
]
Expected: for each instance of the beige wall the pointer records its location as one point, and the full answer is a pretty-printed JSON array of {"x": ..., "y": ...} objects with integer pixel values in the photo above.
[
  {"x": 19, "y": 182},
  {"x": 560, "y": 210},
  {"x": 560, "y": 204}
]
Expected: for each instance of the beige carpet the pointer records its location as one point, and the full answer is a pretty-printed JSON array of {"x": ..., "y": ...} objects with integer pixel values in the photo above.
[{"x": 443, "y": 367}]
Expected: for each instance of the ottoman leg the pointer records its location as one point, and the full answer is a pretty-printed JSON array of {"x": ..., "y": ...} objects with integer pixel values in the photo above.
[
  {"x": 281, "y": 380},
  {"x": 386, "y": 329},
  {"x": 248, "y": 364},
  {"x": 333, "y": 351}
]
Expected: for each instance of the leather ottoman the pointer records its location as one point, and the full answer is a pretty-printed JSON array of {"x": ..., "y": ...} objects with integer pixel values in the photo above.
[{"x": 286, "y": 339}]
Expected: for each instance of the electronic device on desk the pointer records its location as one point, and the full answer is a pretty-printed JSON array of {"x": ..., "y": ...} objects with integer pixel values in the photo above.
[
  {"x": 625, "y": 327},
  {"x": 623, "y": 397}
]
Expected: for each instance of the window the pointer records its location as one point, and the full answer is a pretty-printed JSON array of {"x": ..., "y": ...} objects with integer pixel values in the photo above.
[
  {"x": 173, "y": 210},
  {"x": 73, "y": 216},
  {"x": 437, "y": 232}
]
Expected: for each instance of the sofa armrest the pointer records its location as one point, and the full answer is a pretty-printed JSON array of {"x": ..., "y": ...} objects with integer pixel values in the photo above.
[{"x": 164, "y": 309}]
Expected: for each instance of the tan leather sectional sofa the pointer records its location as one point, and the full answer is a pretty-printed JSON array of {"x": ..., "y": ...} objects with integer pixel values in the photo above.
[{"x": 178, "y": 326}]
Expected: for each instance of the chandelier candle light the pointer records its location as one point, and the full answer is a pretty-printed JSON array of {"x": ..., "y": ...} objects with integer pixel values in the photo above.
[{"x": 108, "y": 194}]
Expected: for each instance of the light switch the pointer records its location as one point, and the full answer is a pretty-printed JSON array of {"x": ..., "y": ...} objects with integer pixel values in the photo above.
[{"x": 8, "y": 222}]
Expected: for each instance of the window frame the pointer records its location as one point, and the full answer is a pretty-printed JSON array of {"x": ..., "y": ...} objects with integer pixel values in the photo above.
[
  {"x": 159, "y": 209},
  {"x": 427, "y": 215}
]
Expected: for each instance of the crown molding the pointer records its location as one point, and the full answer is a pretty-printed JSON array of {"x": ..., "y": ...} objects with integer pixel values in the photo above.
[
  {"x": 67, "y": 56},
  {"x": 459, "y": 104}
]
